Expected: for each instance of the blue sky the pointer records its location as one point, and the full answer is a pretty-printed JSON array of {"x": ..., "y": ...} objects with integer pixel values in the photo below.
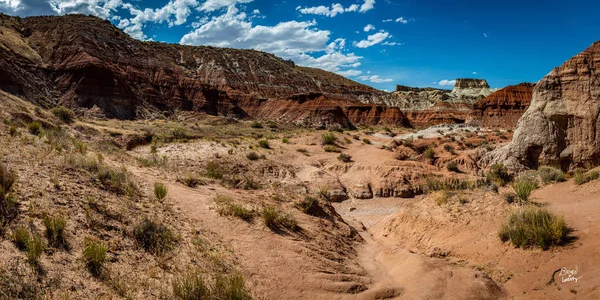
[{"x": 377, "y": 42}]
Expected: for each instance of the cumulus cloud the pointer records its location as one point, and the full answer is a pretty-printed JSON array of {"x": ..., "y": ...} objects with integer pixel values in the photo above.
[
  {"x": 369, "y": 27},
  {"x": 375, "y": 79},
  {"x": 299, "y": 41},
  {"x": 373, "y": 39},
  {"x": 446, "y": 82},
  {"x": 100, "y": 8},
  {"x": 336, "y": 9},
  {"x": 392, "y": 44},
  {"x": 174, "y": 13},
  {"x": 349, "y": 73},
  {"x": 398, "y": 20},
  {"x": 212, "y": 5},
  {"x": 474, "y": 73}
]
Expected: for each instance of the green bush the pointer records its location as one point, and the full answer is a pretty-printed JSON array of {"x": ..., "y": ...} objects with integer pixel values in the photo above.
[
  {"x": 154, "y": 237},
  {"x": 227, "y": 207},
  {"x": 429, "y": 153},
  {"x": 35, "y": 128},
  {"x": 534, "y": 227},
  {"x": 256, "y": 125},
  {"x": 499, "y": 175},
  {"x": 330, "y": 148},
  {"x": 523, "y": 189},
  {"x": 94, "y": 256},
  {"x": 55, "y": 230},
  {"x": 452, "y": 167},
  {"x": 328, "y": 139},
  {"x": 213, "y": 170},
  {"x": 252, "y": 156},
  {"x": 550, "y": 174},
  {"x": 366, "y": 141},
  {"x": 21, "y": 237},
  {"x": 160, "y": 190},
  {"x": 35, "y": 248},
  {"x": 345, "y": 158},
  {"x": 285, "y": 140},
  {"x": 64, "y": 114},
  {"x": 264, "y": 144}
]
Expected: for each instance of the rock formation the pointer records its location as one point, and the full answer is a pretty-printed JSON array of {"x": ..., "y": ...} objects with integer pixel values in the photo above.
[
  {"x": 503, "y": 108},
  {"x": 86, "y": 63},
  {"x": 562, "y": 125}
]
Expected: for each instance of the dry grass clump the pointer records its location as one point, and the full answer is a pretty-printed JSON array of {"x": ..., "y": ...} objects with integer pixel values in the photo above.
[
  {"x": 345, "y": 158},
  {"x": 191, "y": 180},
  {"x": 191, "y": 286},
  {"x": 534, "y": 227},
  {"x": 452, "y": 167},
  {"x": 264, "y": 144},
  {"x": 117, "y": 181},
  {"x": 523, "y": 189},
  {"x": 275, "y": 219},
  {"x": 329, "y": 148},
  {"x": 8, "y": 202},
  {"x": 55, "y": 230},
  {"x": 550, "y": 174},
  {"x": 256, "y": 125},
  {"x": 441, "y": 197},
  {"x": 429, "y": 153},
  {"x": 64, "y": 114},
  {"x": 252, "y": 156},
  {"x": 35, "y": 128},
  {"x": 227, "y": 207},
  {"x": 328, "y": 139},
  {"x": 213, "y": 170},
  {"x": 94, "y": 256},
  {"x": 160, "y": 191},
  {"x": 154, "y": 237},
  {"x": 435, "y": 183},
  {"x": 309, "y": 205},
  {"x": 499, "y": 175},
  {"x": 582, "y": 178}
]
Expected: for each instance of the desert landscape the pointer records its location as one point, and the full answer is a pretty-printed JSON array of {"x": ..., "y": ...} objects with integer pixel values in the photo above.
[{"x": 145, "y": 170}]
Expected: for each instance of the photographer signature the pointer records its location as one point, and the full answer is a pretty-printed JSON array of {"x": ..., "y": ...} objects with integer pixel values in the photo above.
[{"x": 569, "y": 275}]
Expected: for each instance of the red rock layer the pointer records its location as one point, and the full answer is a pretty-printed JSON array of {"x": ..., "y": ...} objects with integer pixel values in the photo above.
[
  {"x": 440, "y": 113},
  {"x": 503, "y": 108},
  {"x": 84, "y": 62}
]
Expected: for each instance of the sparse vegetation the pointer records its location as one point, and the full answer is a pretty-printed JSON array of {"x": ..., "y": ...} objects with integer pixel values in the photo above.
[
  {"x": 534, "y": 227},
  {"x": 94, "y": 256},
  {"x": 264, "y": 144},
  {"x": 35, "y": 248},
  {"x": 429, "y": 153},
  {"x": 21, "y": 237},
  {"x": 12, "y": 131},
  {"x": 450, "y": 149},
  {"x": 510, "y": 197},
  {"x": 213, "y": 170},
  {"x": 160, "y": 191},
  {"x": 452, "y": 167},
  {"x": 330, "y": 148},
  {"x": 345, "y": 157},
  {"x": 523, "y": 189},
  {"x": 302, "y": 150},
  {"x": 441, "y": 198},
  {"x": 64, "y": 114},
  {"x": 191, "y": 180},
  {"x": 35, "y": 128},
  {"x": 117, "y": 181},
  {"x": 328, "y": 139},
  {"x": 8, "y": 202},
  {"x": 581, "y": 178},
  {"x": 227, "y": 207},
  {"x": 275, "y": 219},
  {"x": 191, "y": 286},
  {"x": 366, "y": 141},
  {"x": 309, "y": 205},
  {"x": 499, "y": 175},
  {"x": 435, "y": 183},
  {"x": 252, "y": 156},
  {"x": 285, "y": 140},
  {"x": 154, "y": 236},
  {"x": 55, "y": 230},
  {"x": 550, "y": 174},
  {"x": 256, "y": 125}
]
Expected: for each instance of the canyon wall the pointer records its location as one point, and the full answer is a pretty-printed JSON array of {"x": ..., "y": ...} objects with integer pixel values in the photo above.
[{"x": 503, "y": 108}]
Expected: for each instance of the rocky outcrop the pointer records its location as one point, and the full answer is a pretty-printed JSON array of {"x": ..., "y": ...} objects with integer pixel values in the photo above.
[
  {"x": 86, "y": 63},
  {"x": 503, "y": 108},
  {"x": 468, "y": 90},
  {"x": 440, "y": 113},
  {"x": 562, "y": 125}
]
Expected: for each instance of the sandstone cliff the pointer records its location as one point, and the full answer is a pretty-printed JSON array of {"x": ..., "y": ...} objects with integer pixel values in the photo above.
[
  {"x": 84, "y": 62},
  {"x": 503, "y": 108},
  {"x": 562, "y": 124}
]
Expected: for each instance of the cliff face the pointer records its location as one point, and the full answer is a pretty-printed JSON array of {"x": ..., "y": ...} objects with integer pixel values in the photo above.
[
  {"x": 562, "y": 124},
  {"x": 84, "y": 62},
  {"x": 503, "y": 108}
]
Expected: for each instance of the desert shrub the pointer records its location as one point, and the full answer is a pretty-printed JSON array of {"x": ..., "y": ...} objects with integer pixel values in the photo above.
[
  {"x": 275, "y": 219},
  {"x": 227, "y": 207},
  {"x": 252, "y": 156},
  {"x": 429, "y": 153},
  {"x": 213, "y": 170},
  {"x": 285, "y": 140},
  {"x": 409, "y": 141},
  {"x": 64, "y": 114},
  {"x": 191, "y": 180},
  {"x": 191, "y": 286},
  {"x": 154, "y": 236},
  {"x": 55, "y": 230},
  {"x": 264, "y": 144},
  {"x": 21, "y": 237},
  {"x": 441, "y": 197},
  {"x": 160, "y": 190},
  {"x": 328, "y": 139},
  {"x": 272, "y": 125},
  {"x": 250, "y": 183},
  {"x": 35, "y": 248},
  {"x": 83, "y": 162},
  {"x": 550, "y": 174},
  {"x": 345, "y": 157},
  {"x": 523, "y": 189},
  {"x": 94, "y": 256},
  {"x": 356, "y": 137},
  {"x": 12, "y": 130},
  {"x": 80, "y": 147},
  {"x": 449, "y": 148},
  {"x": 230, "y": 287},
  {"x": 534, "y": 227},
  {"x": 366, "y": 141},
  {"x": 117, "y": 181},
  {"x": 581, "y": 178},
  {"x": 35, "y": 128},
  {"x": 180, "y": 133},
  {"x": 302, "y": 150},
  {"x": 510, "y": 197},
  {"x": 452, "y": 167},
  {"x": 499, "y": 175},
  {"x": 256, "y": 125},
  {"x": 330, "y": 148},
  {"x": 309, "y": 205},
  {"x": 8, "y": 202},
  {"x": 434, "y": 183}
]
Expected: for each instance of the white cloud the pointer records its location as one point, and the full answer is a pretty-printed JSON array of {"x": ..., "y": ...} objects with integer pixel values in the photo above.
[
  {"x": 369, "y": 27},
  {"x": 401, "y": 20},
  {"x": 392, "y": 44},
  {"x": 387, "y": 20},
  {"x": 299, "y": 41},
  {"x": 485, "y": 35},
  {"x": 474, "y": 73},
  {"x": 336, "y": 9},
  {"x": 212, "y": 5},
  {"x": 373, "y": 39},
  {"x": 349, "y": 73},
  {"x": 375, "y": 79},
  {"x": 446, "y": 82}
]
